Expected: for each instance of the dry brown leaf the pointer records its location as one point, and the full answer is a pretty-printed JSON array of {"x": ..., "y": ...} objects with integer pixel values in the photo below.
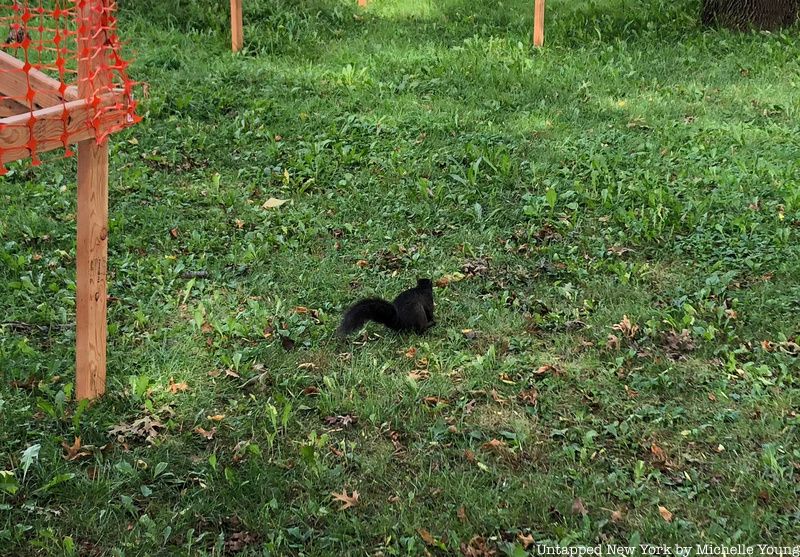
[
  {"x": 362, "y": 263},
  {"x": 74, "y": 451},
  {"x": 504, "y": 377},
  {"x": 174, "y": 232},
  {"x": 410, "y": 353},
  {"x": 461, "y": 513},
  {"x": 426, "y": 536},
  {"x": 628, "y": 329},
  {"x": 578, "y": 507},
  {"x": 216, "y": 417},
  {"x": 301, "y": 310},
  {"x": 469, "y": 455},
  {"x": 495, "y": 445},
  {"x": 469, "y": 334},
  {"x": 612, "y": 342},
  {"x": 206, "y": 327},
  {"x": 273, "y": 202},
  {"x": 712, "y": 397},
  {"x": 525, "y": 539},
  {"x": 497, "y": 397},
  {"x": 231, "y": 373},
  {"x": 658, "y": 453},
  {"x": 239, "y": 224},
  {"x": 434, "y": 400},
  {"x": 419, "y": 374},
  {"x": 630, "y": 392},
  {"x": 147, "y": 428},
  {"x": 208, "y": 435},
  {"x": 348, "y": 501},
  {"x": 447, "y": 279},
  {"x": 547, "y": 368},
  {"x": 616, "y": 516},
  {"x": 529, "y": 396},
  {"x": 175, "y": 388},
  {"x": 665, "y": 514},
  {"x": 311, "y": 391}
]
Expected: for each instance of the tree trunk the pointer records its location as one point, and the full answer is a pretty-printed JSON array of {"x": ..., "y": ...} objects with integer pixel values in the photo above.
[{"x": 745, "y": 14}]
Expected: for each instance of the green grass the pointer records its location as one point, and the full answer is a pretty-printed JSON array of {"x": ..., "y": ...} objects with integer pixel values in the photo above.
[{"x": 426, "y": 139}]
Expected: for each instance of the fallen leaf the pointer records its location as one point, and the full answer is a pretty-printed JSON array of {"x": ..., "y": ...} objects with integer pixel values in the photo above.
[
  {"x": 616, "y": 516},
  {"x": 712, "y": 397},
  {"x": 209, "y": 435},
  {"x": 579, "y": 508},
  {"x": 175, "y": 388},
  {"x": 506, "y": 379},
  {"x": 411, "y": 353},
  {"x": 147, "y": 428},
  {"x": 447, "y": 279},
  {"x": 529, "y": 396},
  {"x": 272, "y": 203},
  {"x": 362, "y": 263},
  {"x": 665, "y": 514},
  {"x": 74, "y": 451},
  {"x": 496, "y": 397},
  {"x": 343, "y": 421},
  {"x": 301, "y": 309},
  {"x": 525, "y": 539},
  {"x": 174, "y": 232},
  {"x": 434, "y": 400},
  {"x": 461, "y": 513},
  {"x": 547, "y": 368},
  {"x": 628, "y": 329},
  {"x": 612, "y": 342},
  {"x": 216, "y": 417},
  {"x": 630, "y": 392},
  {"x": 469, "y": 334},
  {"x": 92, "y": 472},
  {"x": 426, "y": 536},
  {"x": 348, "y": 501},
  {"x": 307, "y": 365},
  {"x": 419, "y": 374},
  {"x": 231, "y": 373},
  {"x": 311, "y": 391},
  {"x": 239, "y": 224},
  {"x": 206, "y": 327},
  {"x": 658, "y": 453},
  {"x": 469, "y": 455},
  {"x": 495, "y": 445}
]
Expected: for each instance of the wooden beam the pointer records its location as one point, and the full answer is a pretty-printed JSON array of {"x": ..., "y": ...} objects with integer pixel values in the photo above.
[
  {"x": 237, "y": 35},
  {"x": 57, "y": 126},
  {"x": 10, "y": 107},
  {"x": 15, "y": 82},
  {"x": 538, "y": 23},
  {"x": 92, "y": 244}
]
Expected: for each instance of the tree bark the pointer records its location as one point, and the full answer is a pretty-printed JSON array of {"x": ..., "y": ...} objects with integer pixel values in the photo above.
[{"x": 746, "y": 14}]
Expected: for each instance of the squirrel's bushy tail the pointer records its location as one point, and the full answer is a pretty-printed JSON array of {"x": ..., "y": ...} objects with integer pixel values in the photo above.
[{"x": 370, "y": 309}]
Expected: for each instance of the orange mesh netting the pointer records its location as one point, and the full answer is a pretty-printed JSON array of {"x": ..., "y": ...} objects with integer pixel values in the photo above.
[{"x": 62, "y": 79}]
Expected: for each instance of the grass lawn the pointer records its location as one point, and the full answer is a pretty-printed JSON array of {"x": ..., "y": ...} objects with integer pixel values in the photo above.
[{"x": 612, "y": 220}]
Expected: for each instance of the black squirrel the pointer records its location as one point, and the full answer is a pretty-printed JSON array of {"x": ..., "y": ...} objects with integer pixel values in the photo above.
[{"x": 412, "y": 310}]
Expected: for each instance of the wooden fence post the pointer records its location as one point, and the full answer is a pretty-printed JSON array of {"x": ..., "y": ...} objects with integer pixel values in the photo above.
[
  {"x": 92, "y": 233},
  {"x": 237, "y": 36},
  {"x": 538, "y": 23}
]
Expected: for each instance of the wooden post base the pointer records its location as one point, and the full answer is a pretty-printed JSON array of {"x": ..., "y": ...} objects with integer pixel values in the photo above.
[
  {"x": 237, "y": 36},
  {"x": 538, "y": 23},
  {"x": 92, "y": 262}
]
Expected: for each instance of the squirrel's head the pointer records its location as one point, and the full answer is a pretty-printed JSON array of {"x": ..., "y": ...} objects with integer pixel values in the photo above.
[{"x": 424, "y": 283}]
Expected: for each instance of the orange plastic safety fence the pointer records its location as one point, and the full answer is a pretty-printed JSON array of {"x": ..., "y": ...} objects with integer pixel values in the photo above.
[{"x": 62, "y": 78}]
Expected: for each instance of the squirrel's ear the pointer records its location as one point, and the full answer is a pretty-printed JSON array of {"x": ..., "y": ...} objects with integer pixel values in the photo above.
[{"x": 423, "y": 282}]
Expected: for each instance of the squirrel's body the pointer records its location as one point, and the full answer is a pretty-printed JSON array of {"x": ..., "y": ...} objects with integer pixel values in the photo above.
[{"x": 411, "y": 310}]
